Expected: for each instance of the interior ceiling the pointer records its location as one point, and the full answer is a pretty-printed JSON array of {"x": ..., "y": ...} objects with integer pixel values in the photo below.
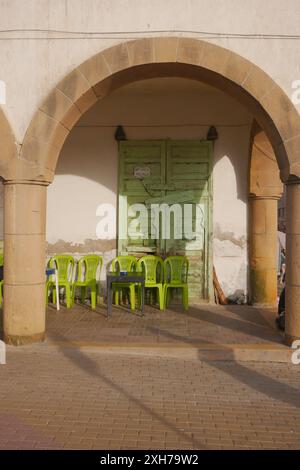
[{"x": 168, "y": 85}]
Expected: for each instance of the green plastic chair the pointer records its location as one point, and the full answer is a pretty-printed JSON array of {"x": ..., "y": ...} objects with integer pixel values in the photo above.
[
  {"x": 152, "y": 267},
  {"x": 65, "y": 268},
  {"x": 176, "y": 272},
  {"x": 124, "y": 263},
  {"x": 87, "y": 278}
]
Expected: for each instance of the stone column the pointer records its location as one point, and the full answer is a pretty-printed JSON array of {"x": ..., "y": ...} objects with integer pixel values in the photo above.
[
  {"x": 24, "y": 261},
  {"x": 263, "y": 251},
  {"x": 292, "y": 327}
]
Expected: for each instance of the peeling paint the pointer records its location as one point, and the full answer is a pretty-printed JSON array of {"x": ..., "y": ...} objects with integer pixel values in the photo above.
[{"x": 230, "y": 236}]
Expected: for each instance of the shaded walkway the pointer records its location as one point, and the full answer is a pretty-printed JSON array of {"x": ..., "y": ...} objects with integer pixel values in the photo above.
[{"x": 201, "y": 325}]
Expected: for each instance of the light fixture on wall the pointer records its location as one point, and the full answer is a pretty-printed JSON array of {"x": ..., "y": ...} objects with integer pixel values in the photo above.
[
  {"x": 212, "y": 133},
  {"x": 120, "y": 134}
]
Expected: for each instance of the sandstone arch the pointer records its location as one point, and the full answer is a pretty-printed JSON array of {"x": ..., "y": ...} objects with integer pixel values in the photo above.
[{"x": 154, "y": 57}]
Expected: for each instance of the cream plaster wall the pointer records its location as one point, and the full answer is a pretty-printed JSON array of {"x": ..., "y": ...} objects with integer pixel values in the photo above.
[
  {"x": 154, "y": 109},
  {"x": 34, "y": 59}
]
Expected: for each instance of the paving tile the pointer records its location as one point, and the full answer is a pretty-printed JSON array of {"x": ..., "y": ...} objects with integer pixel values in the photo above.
[{"x": 64, "y": 395}]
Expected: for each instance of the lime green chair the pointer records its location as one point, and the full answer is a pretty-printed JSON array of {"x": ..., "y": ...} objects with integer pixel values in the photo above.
[
  {"x": 88, "y": 267},
  {"x": 152, "y": 267},
  {"x": 124, "y": 263},
  {"x": 175, "y": 273},
  {"x": 65, "y": 269}
]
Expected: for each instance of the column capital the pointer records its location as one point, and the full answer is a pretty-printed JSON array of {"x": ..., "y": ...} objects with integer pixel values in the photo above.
[
  {"x": 292, "y": 181},
  {"x": 26, "y": 182},
  {"x": 255, "y": 197}
]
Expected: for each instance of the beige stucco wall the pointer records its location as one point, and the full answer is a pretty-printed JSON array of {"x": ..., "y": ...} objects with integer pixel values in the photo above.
[
  {"x": 42, "y": 40},
  {"x": 32, "y": 62},
  {"x": 154, "y": 109}
]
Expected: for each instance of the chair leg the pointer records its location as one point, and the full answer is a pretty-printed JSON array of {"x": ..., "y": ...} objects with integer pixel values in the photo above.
[
  {"x": 185, "y": 297},
  {"x": 165, "y": 291},
  {"x": 117, "y": 296},
  {"x": 53, "y": 295},
  {"x": 132, "y": 296},
  {"x": 161, "y": 298},
  {"x": 68, "y": 296},
  {"x": 93, "y": 297},
  {"x": 167, "y": 296},
  {"x": 139, "y": 295}
]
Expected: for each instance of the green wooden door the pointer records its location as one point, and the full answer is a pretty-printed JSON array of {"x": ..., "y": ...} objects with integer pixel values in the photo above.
[
  {"x": 142, "y": 168},
  {"x": 176, "y": 174},
  {"x": 188, "y": 170}
]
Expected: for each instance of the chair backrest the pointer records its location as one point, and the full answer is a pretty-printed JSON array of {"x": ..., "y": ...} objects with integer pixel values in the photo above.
[
  {"x": 152, "y": 267},
  {"x": 176, "y": 269},
  {"x": 64, "y": 265},
  {"x": 124, "y": 263},
  {"x": 88, "y": 266}
]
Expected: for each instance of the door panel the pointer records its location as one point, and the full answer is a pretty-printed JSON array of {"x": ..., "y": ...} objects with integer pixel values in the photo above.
[
  {"x": 189, "y": 166},
  {"x": 171, "y": 172},
  {"x": 141, "y": 176}
]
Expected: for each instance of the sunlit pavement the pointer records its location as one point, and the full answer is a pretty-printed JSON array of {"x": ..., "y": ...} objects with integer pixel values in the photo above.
[{"x": 132, "y": 382}]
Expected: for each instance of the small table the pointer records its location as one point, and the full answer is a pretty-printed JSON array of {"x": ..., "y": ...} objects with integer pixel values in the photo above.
[{"x": 111, "y": 277}]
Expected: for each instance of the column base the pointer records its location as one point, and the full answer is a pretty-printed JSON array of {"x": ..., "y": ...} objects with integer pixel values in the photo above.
[
  {"x": 288, "y": 339},
  {"x": 22, "y": 340}
]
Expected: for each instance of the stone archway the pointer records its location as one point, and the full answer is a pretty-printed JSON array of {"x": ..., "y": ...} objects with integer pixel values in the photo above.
[
  {"x": 97, "y": 77},
  {"x": 146, "y": 58},
  {"x": 8, "y": 149},
  {"x": 265, "y": 189}
]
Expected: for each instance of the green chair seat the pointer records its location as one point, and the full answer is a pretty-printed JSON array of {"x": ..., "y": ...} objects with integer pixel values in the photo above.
[
  {"x": 152, "y": 267},
  {"x": 175, "y": 274},
  {"x": 88, "y": 267},
  {"x": 124, "y": 263},
  {"x": 65, "y": 268}
]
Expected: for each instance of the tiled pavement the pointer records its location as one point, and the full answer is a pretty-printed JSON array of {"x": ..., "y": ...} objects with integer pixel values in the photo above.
[
  {"x": 205, "y": 324},
  {"x": 66, "y": 395},
  {"x": 214, "y": 332}
]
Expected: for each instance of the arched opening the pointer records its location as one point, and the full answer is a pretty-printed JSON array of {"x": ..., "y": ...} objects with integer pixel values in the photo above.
[
  {"x": 162, "y": 115},
  {"x": 265, "y": 190},
  {"x": 144, "y": 59}
]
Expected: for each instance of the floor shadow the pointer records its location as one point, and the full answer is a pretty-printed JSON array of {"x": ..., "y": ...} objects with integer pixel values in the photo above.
[
  {"x": 259, "y": 330},
  {"x": 268, "y": 386},
  {"x": 90, "y": 367},
  {"x": 261, "y": 383}
]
